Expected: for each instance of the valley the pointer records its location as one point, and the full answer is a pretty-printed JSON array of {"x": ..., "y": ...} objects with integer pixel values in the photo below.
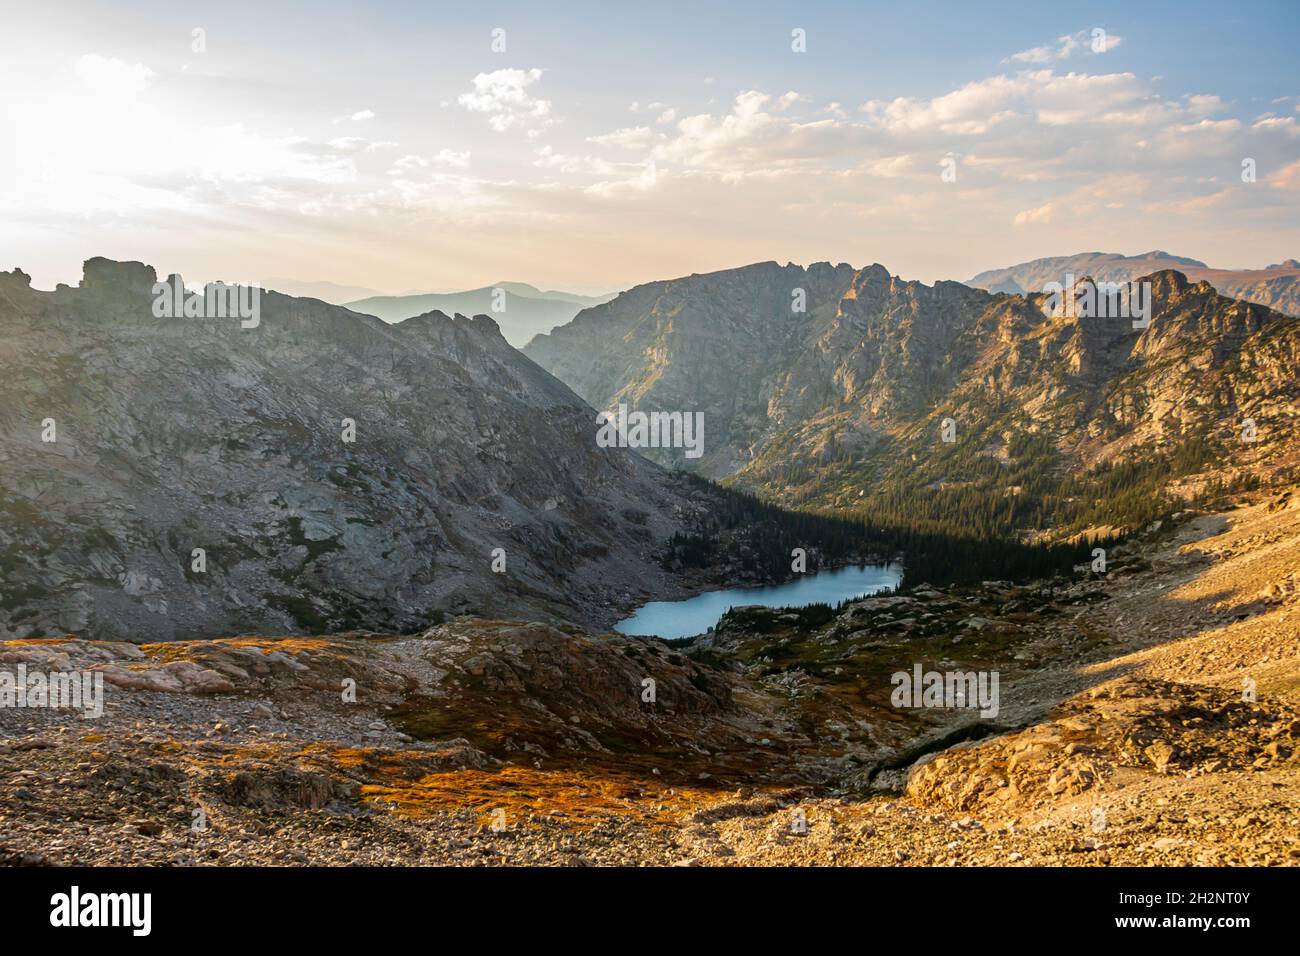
[
  {"x": 397, "y": 646},
  {"x": 1122, "y": 739}
]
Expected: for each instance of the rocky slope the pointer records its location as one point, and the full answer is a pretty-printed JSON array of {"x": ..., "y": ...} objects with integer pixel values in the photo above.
[
  {"x": 732, "y": 345},
  {"x": 1124, "y": 734},
  {"x": 846, "y": 399},
  {"x": 1276, "y": 286},
  {"x": 178, "y": 434}
]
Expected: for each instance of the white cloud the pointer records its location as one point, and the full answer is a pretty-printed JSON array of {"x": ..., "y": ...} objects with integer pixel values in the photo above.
[
  {"x": 1288, "y": 177},
  {"x": 628, "y": 137},
  {"x": 359, "y": 144},
  {"x": 1087, "y": 42},
  {"x": 503, "y": 95},
  {"x": 1203, "y": 105},
  {"x": 548, "y": 158},
  {"x": 755, "y": 140},
  {"x": 451, "y": 158},
  {"x": 111, "y": 78},
  {"x": 973, "y": 109},
  {"x": 640, "y": 178},
  {"x": 404, "y": 165},
  {"x": 1049, "y": 98},
  {"x": 1038, "y": 216}
]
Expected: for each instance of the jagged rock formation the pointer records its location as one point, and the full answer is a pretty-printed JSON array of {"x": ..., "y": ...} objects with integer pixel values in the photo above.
[
  {"x": 733, "y": 345},
  {"x": 1276, "y": 286},
  {"x": 177, "y": 434},
  {"x": 821, "y": 406}
]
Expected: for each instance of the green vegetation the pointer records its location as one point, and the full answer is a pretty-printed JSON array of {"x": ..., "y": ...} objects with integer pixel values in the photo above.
[
  {"x": 760, "y": 536},
  {"x": 966, "y": 510}
]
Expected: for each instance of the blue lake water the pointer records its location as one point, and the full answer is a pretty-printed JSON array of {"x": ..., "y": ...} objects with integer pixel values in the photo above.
[{"x": 675, "y": 619}]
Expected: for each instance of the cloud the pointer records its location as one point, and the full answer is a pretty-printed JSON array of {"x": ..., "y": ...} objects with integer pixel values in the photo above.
[
  {"x": 1086, "y": 42},
  {"x": 638, "y": 179},
  {"x": 1053, "y": 143},
  {"x": 1041, "y": 96},
  {"x": 404, "y": 165},
  {"x": 358, "y": 144},
  {"x": 451, "y": 158},
  {"x": 548, "y": 158},
  {"x": 111, "y": 78},
  {"x": 1038, "y": 216},
  {"x": 504, "y": 96},
  {"x": 628, "y": 137},
  {"x": 755, "y": 139},
  {"x": 1099, "y": 197},
  {"x": 972, "y": 109},
  {"x": 444, "y": 159},
  {"x": 1287, "y": 178},
  {"x": 1203, "y": 105}
]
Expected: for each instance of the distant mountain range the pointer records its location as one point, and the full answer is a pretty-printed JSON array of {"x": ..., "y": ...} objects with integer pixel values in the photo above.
[
  {"x": 330, "y": 292},
  {"x": 1276, "y": 286},
  {"x": 844, "y": 403},
  {"x": 521, "y": 310}
]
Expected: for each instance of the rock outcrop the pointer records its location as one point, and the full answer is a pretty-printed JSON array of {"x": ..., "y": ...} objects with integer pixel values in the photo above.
[
  {"x": 335, "y": 472},
  {"x": 846, "y": 398}
]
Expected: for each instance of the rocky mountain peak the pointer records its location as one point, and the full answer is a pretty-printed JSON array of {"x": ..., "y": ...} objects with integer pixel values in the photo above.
[
  {"x": 336, "y": 471},
  {"x": 17, "y": 280},
  {"x": 107, "y": 277},
  {"x": 880, "y": 359}
]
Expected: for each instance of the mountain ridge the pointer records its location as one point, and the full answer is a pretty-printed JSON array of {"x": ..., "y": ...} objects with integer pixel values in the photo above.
[
  {"x": 819, "y": 407},
  {"x": 1276, "y": 285},
  {"x": 521, "y": 310},
  {"x": 172, "y": 434}
]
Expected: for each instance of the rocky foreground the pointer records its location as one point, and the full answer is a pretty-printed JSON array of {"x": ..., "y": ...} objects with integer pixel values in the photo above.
[{"x": 1150, "y": 716}]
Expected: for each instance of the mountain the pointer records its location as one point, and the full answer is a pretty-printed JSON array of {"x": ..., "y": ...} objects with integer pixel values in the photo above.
[
  {"x": 726, "y": 344},
  {"x": 527, "y": 291},
  {"x": 521, "y": 310},
  {"x": 176, "y": 434},
  {"x": 1276, "y": 286},
  {"x": 330, "y": 292},
  {"x": 843, "y": 404}
]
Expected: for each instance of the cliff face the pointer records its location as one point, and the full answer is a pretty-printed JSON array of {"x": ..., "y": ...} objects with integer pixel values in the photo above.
[
  {"x": 764, "y": 347},
  {"x": 718, "y": 343},
  {"x": 177, "y": 434},
  {"x": 816, "y": 405}
]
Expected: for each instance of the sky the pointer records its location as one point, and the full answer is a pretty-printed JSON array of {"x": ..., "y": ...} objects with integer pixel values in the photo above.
[{"x": 591, "y": 146}]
